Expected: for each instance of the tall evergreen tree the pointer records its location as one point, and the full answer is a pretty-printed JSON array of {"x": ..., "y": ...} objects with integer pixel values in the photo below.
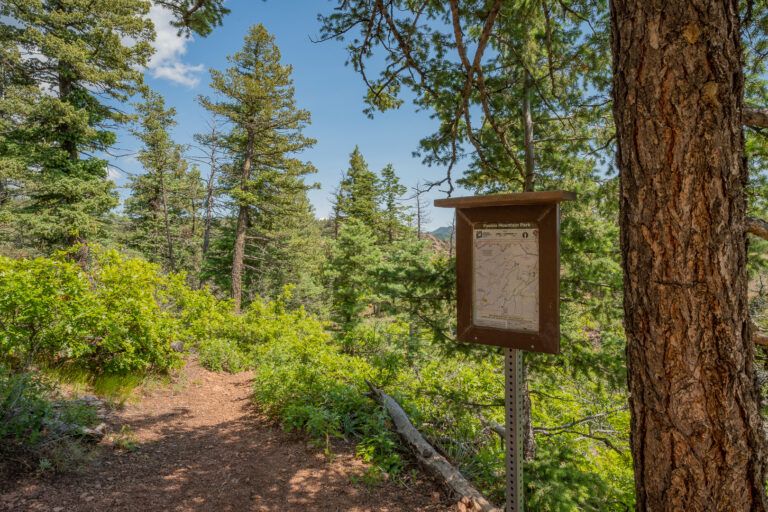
[
  {"x": 285, "y": 248},
  {"x": 82, "y": 57},
  {"x": 393, "y": 212},
  {"x": 17, "y": 94},
  {"x": 358, "y": 194},
  {"x": 165, "y": 200},
  {"x": 351, "y": 272},
  {"x": 697, "y": 436},
  {"x": 256, "y": 96}
]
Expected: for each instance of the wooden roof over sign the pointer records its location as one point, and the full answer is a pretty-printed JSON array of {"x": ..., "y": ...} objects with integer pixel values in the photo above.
[{"x": 518, "y": 198}]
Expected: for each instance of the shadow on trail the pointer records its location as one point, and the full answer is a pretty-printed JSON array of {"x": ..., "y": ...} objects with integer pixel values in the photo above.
[{"x": 239, "y": 465}]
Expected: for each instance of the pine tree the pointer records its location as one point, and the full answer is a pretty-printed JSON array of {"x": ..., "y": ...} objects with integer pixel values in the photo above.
[
  {"x": 284, "y": 246},
  {"x": 358, "y": 194},
  {"x": 393, "y": 213},
  {"x": 697, "y": 435},
  {"x": 199, "y": 16},
  {"x": 82, "y": 56},
  {"x": 256, "y": 96},
  {"x": 165, "y": 200},
  {"x": 351, "y": 272},
  {"x": 17, "y": 95}
]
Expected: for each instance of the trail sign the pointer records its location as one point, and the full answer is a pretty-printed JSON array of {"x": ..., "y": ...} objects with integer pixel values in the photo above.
[
  {"x": 508, "y": 269},
  {"x": 508, "y": 292}
]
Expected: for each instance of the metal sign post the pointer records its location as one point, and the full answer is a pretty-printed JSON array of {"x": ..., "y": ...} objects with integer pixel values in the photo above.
[{"x": 508, "y": 293}]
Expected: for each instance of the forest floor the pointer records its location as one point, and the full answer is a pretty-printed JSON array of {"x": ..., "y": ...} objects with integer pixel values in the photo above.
[{"x": 200, "y": 445}]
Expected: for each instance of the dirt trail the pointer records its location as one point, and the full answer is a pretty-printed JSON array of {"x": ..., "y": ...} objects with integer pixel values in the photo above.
[{"x": 202, "y": 447}]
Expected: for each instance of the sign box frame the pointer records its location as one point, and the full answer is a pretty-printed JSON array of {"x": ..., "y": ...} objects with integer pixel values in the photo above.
[{"x": 540, "y": 208}]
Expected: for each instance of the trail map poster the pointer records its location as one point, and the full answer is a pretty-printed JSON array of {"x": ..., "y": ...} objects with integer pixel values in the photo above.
[
  {"x": 508, "y": 269},
  {"x": 506, "y": 276}
]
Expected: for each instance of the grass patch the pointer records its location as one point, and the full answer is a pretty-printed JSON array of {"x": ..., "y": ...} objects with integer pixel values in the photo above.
[
  {"x": 125, "y": 440},
  {"x": 117, "y": 389}
]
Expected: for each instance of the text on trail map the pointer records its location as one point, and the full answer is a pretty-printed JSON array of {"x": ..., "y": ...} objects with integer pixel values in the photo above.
[
  {"x": 505, "y": 271},
  {"x": 508, "y": 269}
]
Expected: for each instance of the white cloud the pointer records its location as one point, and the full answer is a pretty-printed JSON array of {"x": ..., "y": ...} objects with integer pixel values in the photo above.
[
  {"x": 169, "y": 50},
  {"x": 113, "y": 173},
  {"x": 179, "y": 72}
]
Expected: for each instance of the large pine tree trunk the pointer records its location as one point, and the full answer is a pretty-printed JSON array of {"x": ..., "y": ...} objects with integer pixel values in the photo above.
[
  {"x": 240, "y": 231},
  {"x": 696, "y": 430}
]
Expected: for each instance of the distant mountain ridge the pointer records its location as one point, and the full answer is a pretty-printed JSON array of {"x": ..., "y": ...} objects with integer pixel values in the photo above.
[{"x": 443, "y": 233}]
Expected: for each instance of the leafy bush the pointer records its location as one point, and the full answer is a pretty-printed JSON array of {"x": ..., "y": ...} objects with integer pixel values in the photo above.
[
  {"x": 135, "y": 331},
  {"x": 110, "y": 318},
  {"x": 47, "y": 311},
  {"x": 304, "y": 379},
  {"x": 224, "y": 340},
  {"x": 221, "y": 355}
]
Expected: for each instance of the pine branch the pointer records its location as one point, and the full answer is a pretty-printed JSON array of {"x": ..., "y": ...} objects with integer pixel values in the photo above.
[
  {"x": 567, "y": 426},
  {"x": 757, "y": 227},
  {"x": 755, "y": 118}
]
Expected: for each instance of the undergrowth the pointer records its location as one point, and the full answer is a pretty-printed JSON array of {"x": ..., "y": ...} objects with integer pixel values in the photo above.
[
  {"x": 114, "y": 323},
  {"x": 38, "y": 429}
]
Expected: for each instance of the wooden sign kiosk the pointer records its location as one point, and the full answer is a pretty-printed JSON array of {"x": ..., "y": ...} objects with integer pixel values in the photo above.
[{"x": 508, "y": 292}]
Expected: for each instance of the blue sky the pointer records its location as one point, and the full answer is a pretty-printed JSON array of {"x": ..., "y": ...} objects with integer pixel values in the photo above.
[{"x": 325, "y": 86}]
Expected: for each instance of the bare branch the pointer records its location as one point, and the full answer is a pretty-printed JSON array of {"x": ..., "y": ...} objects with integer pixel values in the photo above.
[
  {"x": 755, "y": 118},
  {"x": 570, "y": 424},
  {"x": 757, "y": 227}
]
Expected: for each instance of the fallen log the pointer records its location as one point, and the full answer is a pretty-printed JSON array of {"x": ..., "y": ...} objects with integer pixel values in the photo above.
[
  {"x": 758, "y": 338},
  {"x": 87, "y": 434},
  {"x": 470, "y": 498}
]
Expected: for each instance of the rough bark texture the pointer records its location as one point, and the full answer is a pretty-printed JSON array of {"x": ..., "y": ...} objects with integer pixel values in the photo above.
[
  {"x": 240, "y": 231},
  {"x": 696, "y": 430}
]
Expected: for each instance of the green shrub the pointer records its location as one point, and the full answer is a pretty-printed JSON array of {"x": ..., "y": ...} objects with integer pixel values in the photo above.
[
  {"x": 226, "y": 341},
  {"x": 113, "y": 318},
  {"x": 304, "y": 379},
  {"x": 221, "y": 355},
  {"x": 24, "y": 408},
  {"x": 47, "y": 312},
  {"x": 136, "y": 330}
]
